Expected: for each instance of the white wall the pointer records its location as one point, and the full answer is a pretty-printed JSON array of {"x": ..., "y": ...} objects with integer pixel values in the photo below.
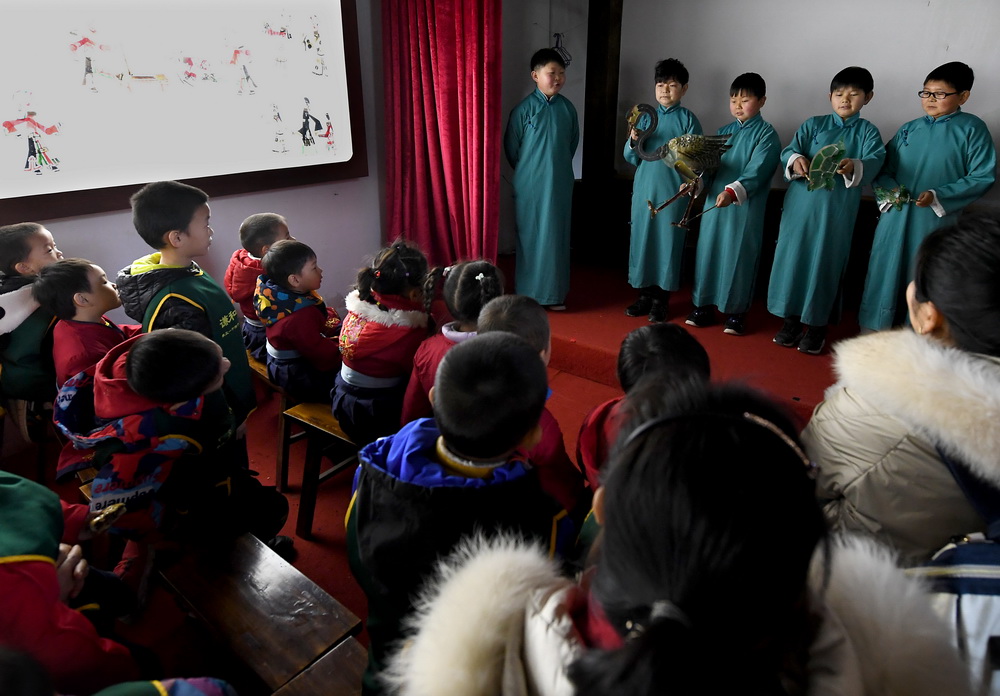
[
  {"x": 799, "y": 46},
  {"x": 342, "y": 220},
  {"x": 528, "y": 25}
]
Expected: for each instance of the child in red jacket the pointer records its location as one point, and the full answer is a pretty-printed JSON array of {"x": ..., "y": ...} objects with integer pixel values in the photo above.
[
  {"x": 303, "y": 356},
  {"x": 78, "y": 292},
  {"x": 257, "y": 233}
]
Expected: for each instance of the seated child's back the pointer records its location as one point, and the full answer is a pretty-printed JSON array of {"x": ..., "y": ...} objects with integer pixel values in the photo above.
[
  {"x": 303, "y": 356},
  {"x": 78, "y": 293},
  {"x": 418, "y": 492},
  {"x": 257, "y": 233}
]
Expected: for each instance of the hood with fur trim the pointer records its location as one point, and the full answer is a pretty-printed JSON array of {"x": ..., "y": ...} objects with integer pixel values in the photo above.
[
  {"x": 478, "y": 623},
  {"x": 948, "y": 395}
]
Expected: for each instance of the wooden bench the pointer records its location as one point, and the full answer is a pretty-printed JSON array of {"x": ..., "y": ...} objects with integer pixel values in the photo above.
[
  {"x": 322, "y": 432},
  {"x": 271, "y": 616},
  {"x": 337, "y": 672}
]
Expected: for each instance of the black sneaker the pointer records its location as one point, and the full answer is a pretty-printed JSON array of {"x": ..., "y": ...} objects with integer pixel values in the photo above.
[
  {"x": 701, "y": 317},
  {"x": 790, "y": 333},
  {"x": 284, "y": 546},
  {"x": 641, "y": 306},
  {"x": 658, "y": 312},
  {"x": 735, "y": 325},
  {"x": 813, "y": 341}
]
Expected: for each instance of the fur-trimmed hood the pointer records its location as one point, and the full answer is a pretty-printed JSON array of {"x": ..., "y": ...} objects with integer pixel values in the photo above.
[
  {"x": 395, "y": 311},
  {"x": 473, "y": 626},
  {"x": 948, "y": 395}
]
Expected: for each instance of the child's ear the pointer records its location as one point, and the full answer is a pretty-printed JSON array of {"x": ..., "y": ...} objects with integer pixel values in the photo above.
[
  {"x": 23, "y": 268},
  {"x": 598, "y": 505},
  {"x": 293, "y": 281},
  {"x": 174, "y": 238},
  {"x": 414, "y": 294},
  {"x": 762, "y": 101},
  {"x": 80, "y": 299},
  {"x": 430, "y": 396},
  {"x": 963, "y": 97},
  {"x": 868, "y": 96}
]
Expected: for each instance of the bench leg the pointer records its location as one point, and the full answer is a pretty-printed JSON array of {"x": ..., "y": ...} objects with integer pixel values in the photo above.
[
  {"x": 284, "y": 442},
  {"x": 310, "y": 484}
]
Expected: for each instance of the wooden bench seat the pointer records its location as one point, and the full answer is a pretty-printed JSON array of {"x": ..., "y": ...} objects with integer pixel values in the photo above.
[
  {"x": 272, "y": 617},
  {"x": 337, "y": 672}
]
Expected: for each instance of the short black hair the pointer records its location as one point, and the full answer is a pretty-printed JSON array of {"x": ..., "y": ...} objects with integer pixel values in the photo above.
[
  {"x": 170, "y": 366},
  {"x": 489, "y": 393},
  {"x": 469, "y": 286},
  {"x": 748, "y": 83},
  {"x": 519, "y": 315},
  {"x": 164, "y": 206},
  {"x": 957, "y": 74},
  {"x": 670, "y": 69},
  {"x": 664, "y": 349},
  {"x": 57, "y": 283},
  {"x": 14, "y": 246},
  {"x": 259, "y": 230},
  {"x": 22, "y": 675},
  {"x": 853, "y": 76},
  {"x": 397, "y": 268},
  {"x": 286, "y": 258},
  {"x": 544, "y": 56}
]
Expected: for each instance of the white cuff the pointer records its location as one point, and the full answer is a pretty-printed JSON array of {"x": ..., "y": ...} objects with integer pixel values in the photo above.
[
  {"x": 936, "y": 205},
  {"x": 855, "y": 179},
  {"x": 741, "y": 192},
  {"x": 789, "y": 174}
]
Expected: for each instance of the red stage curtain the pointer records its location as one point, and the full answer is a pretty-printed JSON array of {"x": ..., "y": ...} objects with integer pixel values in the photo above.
[{"x": 442, "y": 123}]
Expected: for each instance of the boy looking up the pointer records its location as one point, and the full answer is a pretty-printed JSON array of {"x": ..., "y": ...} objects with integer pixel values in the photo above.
[
  {"x": 78, "y": 293},
  {"x": 257, "y": 233},
  {"x": 167, "y": 289},
  {"x": 540, "y": 141},
  {"x": 729, "y": 240},
  {"x": 814, "y": 239},
  {"x": 945, "y": 160},
  {"x": 303, "y": 352},
  {"x": 420, "y": 491}
]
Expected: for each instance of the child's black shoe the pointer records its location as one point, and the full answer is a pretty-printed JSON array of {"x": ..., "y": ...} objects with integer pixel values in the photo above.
[
  {"x": 813, "y": 341},
  {"x": 736, "y": 325},
  {"x": 790, "y": 333},
  {"x": 701, "y": 317}
]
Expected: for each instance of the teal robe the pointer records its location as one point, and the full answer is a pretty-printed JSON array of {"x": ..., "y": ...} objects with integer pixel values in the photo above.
[
  {"x": 540, "y": 141},
  {"x": 953, "y": 155},
  {"x": 656, "y": 246},
  {"x": 814, "y": 239},
  {"x": 730, "y": 238}
]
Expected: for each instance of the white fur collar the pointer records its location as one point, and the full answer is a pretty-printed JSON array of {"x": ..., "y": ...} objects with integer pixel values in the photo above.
[
  {"x": 17, "y": 306},
  {"x": 387, "y": 317},
  {"x": 948, "y": 395}
]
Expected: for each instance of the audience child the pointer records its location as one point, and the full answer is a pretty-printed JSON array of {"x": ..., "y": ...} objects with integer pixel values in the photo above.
[
  {"x": 257, "y": 233},
  {"x": 909, "y": 407},
  {"x": 662, "y": 352},
  {"x": 729, "y": 241},
  {"x": 468, "y": 286},
  {"x": 385, "y": 323},
  {"x": 302, "y": 332},
  {"x": 41, "y": 571},
  {"x": 25, "y": 329},
  {"x": 814, "y": 239},
  {"x": 418, "y": 492},
  {"x": 944, "y": 161},
  {"x": 679, "y": 601},
  {"x": 168, "y": 289},
  {"x": 78, "y": 293},
  {"x": 540, "y": 141},
  {"x": 524, "y": 317},
  {"x": 152, "y": 419},
  {"x": 656, "y": 246}
]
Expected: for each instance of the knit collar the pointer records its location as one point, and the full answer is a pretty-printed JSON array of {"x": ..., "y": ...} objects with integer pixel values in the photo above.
[{"x": 274, "y": 302}]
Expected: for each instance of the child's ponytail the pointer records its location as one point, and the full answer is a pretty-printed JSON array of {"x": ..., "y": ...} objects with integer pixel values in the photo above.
[{"x": 469, "y": 287}]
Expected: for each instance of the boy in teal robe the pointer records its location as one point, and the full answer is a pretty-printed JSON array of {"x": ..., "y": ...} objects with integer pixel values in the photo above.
[
  {"x": 540, "y": 141},
  {"x": 814, "y": 239},
  {"x": 656, "y": 246},
  {"x": 729, "y": 241},
  {"x": 945, "y": 160}
]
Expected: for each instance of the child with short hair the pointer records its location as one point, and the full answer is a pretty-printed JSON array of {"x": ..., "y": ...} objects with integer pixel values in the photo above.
[
  {"x": 420, "y": 491},
  {"x": 540, "y": 141},
  {"x": 141, "y": 417},
  {"x": 945, "y": 160},
  {"x": 257, "y": 233},
  {"x": 468, "y": 286},
  {"x": 168, "y": 289},
  {"x": 656, "y": 246},
  {"x": 79, "y": 293},
  {"x": 25, "y": 329},
  {"x": 814, "y": 240},
  {"x": 663, "y": 352},
  {"x": 385, "y": 324},
  {"x": 729, "y": 241},
  {"x": 302, "y": 332},
  {"x": 524, "y": 317}
]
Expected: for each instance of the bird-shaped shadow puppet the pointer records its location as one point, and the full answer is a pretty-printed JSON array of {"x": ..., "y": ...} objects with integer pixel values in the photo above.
[{"x": 689, "y": 154}]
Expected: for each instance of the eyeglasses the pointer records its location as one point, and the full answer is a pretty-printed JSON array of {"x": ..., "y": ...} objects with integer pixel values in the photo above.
[{"x": 924, "y": 94}]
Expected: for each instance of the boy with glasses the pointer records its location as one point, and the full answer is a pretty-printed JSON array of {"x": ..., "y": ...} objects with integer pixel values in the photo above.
[{"x": 940, "y": 162}]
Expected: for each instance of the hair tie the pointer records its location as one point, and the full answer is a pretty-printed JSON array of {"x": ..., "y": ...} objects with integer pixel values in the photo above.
[
  {"x": 378, "y": 274},
  {"x": 660, "y": 609},
  {"x": 480, "y": 277}
]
